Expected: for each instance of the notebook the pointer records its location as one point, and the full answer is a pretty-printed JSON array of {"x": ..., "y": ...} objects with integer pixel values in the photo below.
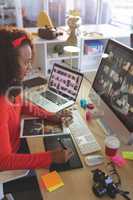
[{"x": 62, "y": 90}]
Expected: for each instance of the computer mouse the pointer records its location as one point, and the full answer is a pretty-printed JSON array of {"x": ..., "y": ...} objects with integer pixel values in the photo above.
[{"x": 92, "y": 160}]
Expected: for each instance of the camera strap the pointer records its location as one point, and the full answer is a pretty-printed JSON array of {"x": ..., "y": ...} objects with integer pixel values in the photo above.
[{"x": 124, "y": 194}]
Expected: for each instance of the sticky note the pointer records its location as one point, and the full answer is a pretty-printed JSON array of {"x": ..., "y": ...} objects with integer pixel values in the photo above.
[
  {"x": 52, "y": 181},
  {"x": 128, "y": 155},
  {"x": 118, "y": 160}
]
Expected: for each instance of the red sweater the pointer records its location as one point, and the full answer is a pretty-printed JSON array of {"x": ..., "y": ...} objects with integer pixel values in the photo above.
[{"x": 10, "y": 116}]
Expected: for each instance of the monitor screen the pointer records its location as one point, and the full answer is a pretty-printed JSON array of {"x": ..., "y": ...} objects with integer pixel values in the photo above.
[
  {"x": 114, "y": 81},
  {"x": 65, "y": 81}
]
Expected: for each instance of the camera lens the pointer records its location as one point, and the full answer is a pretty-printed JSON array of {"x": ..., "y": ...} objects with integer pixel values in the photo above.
[{"x": 99, "y": 190}]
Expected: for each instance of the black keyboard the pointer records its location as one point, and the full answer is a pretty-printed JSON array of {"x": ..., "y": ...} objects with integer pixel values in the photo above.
[{"x": 53, "y": 97}]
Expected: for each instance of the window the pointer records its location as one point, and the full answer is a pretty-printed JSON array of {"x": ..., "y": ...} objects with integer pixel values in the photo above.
[
  {"x": 89, "y": 10},
  {"x": 122, "y": 12},
  {"x": 59, "y": 9}
]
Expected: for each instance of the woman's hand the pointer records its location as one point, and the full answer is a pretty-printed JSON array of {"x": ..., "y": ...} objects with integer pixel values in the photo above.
[
  {"x": 65, "y": 117},
  {"x": 61, "y": 155}
]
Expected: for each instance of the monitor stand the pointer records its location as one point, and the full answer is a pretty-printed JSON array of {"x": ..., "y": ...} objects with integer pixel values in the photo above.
[
  {"x": 105, "y": 127},
  {"x": 106, "y": 120}
]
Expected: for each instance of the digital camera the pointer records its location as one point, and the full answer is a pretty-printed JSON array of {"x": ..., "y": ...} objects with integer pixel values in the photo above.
[
  {"x": 103, "y": 184},
  {"x": 48, "y": 33}
]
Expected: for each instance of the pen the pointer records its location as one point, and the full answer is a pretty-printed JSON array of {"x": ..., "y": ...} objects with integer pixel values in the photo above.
[{"x": 61, "y": 143}]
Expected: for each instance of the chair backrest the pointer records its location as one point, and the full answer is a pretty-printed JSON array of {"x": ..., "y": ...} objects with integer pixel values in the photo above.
[
  {"x": 10, "y": 175},
  {"x": 6, "y": 176},
  {"x": 44, "y": 20}
]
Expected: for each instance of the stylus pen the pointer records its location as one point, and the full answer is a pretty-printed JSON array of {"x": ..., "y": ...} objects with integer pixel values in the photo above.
[{"x": 61, "y": 143}]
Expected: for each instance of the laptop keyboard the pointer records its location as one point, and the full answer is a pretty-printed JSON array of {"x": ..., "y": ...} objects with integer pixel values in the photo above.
[{"x": 53, "y": 97}]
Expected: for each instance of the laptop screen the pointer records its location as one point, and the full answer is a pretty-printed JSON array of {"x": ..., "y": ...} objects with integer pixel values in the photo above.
[{"x": 65, "y": 81}]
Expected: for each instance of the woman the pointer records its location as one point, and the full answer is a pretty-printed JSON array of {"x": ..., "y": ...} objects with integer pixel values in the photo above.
[{"x": 16, "y": 55}]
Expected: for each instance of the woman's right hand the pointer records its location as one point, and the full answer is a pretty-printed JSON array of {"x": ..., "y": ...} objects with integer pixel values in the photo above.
[{"x": 61, "y": 155}]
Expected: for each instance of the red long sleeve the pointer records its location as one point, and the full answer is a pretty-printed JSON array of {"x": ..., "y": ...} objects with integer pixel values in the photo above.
[
  {"x": 28, "y": 108},
  {"x": 9, "y": 141}
]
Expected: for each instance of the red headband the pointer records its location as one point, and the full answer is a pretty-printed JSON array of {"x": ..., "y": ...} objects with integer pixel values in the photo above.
[{"x": 18, "y": 41}]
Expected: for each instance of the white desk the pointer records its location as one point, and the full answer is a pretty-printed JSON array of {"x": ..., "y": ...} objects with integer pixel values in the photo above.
[{"x": 78, "y": 182}]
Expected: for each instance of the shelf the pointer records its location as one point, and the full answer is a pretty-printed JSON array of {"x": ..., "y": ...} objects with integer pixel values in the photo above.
[
  {"x": 93, "y": 55},
  {"x": 86, "y": 59},
  {"x": 62, "y": 58},
  {"x": 10, "y": 13}
]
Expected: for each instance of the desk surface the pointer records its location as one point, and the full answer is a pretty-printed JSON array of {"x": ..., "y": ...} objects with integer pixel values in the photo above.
[{"x": 78, "y": 182}]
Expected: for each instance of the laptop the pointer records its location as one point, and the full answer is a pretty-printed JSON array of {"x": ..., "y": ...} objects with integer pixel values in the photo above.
[{"x": 62, "y": 90}]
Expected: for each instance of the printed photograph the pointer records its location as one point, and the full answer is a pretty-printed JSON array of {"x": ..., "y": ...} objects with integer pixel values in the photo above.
[{"x": 31, "y": 127}]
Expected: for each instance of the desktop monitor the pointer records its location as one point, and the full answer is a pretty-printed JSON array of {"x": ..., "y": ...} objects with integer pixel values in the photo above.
[{"x": 112, "y": 89}]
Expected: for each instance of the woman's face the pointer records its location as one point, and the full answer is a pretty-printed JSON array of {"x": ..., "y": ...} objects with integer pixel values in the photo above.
[{"x": 25, "y": 60}]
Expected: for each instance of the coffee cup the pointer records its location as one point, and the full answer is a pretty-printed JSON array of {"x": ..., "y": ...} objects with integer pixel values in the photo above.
[{"x": 112, "y": 145}]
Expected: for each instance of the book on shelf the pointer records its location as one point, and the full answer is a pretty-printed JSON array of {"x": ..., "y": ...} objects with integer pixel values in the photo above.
[{"x": 93, "y": 46}]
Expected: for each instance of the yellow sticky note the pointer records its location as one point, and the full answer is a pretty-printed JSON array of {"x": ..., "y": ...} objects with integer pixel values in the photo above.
[
  {"x": 52, "y": 181},
  {"x": 128, "y": 155}
]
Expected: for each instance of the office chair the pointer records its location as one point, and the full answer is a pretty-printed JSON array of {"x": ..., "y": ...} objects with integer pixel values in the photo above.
[
  {"x": 7, "y": 176},
  {"x": 44, "y": 20}
]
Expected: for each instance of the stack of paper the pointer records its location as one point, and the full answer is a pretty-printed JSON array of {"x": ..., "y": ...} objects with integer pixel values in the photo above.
[{"x": 52, "y": 181}]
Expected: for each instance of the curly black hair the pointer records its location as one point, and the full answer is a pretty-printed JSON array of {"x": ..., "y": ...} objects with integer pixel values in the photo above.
[{"x": 9, "y": 65}]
